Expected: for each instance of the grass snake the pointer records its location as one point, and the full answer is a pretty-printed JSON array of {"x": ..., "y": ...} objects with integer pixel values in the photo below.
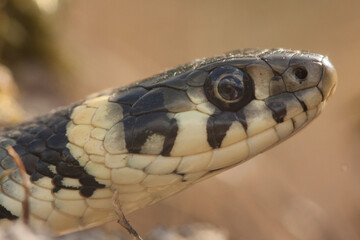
[{"x": 158, "y": 136}]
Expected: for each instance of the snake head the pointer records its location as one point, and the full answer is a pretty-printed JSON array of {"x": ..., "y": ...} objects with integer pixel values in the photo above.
[
  {"x": 186, "y": 124},
  {"x": 214, "y": 103}
]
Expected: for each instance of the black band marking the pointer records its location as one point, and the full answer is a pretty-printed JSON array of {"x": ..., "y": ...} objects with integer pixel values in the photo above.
[
  {"x": 217, "y": 127},
  {"x": 241, "y": 118},
  {"x": 277, "y": 104},
  {"x": 139, "y": 129},
  {"x": 278, "y": 110},
  {"x": 4, "y": 213},
  {"x": 170, "y": 137}
]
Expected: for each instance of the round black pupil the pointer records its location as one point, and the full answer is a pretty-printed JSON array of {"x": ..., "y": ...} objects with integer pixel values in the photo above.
[
  {"x": 300, "y": 73},
  {"x": 230, "y": 88}
]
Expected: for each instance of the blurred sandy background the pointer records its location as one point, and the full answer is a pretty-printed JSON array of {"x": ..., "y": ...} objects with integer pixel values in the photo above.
[{"x": 306, "y": 188}]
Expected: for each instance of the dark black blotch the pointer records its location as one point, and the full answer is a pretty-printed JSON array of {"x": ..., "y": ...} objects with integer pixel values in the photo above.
[
  {"x": 57, "y": 180},
  {"x": 217, "y": 127},
  {"x": 89, "y": 181},
  {"x": 4, "y": 213},
  {"x": 170, "y": 137},
  {"x": 56, "y": 189},
  {"x": 278, "y": 110},
  {"x": 68, "y": 158},
  {"x": 241, "y": 118},
  {"x": 43, "y": 168},
  {"x": 129, "y": 123},
  {"x": 147, "y": 125},
  {"x": 67, "y": 170},
  {"x": 87, "y": 191},
  {"x": 210, "y": 133}
]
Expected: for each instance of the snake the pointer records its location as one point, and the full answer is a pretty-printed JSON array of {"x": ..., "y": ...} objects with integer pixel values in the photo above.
[{"x": 156, "y": 137}]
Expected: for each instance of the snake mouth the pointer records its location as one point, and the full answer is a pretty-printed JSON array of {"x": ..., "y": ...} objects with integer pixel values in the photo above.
[
  {"x": 260, "y": 142},
  {"x": 270, "y": 122}
]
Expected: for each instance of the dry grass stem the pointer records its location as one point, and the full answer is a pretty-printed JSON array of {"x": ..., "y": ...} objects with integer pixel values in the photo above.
[
  {"x": 5, "y": 173},
  {"x": 25, "y": 180},
  {"x": 122, "y": 219}
]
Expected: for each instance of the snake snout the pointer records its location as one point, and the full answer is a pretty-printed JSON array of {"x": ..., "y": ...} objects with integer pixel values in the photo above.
[{"x": 328, "y": 83}]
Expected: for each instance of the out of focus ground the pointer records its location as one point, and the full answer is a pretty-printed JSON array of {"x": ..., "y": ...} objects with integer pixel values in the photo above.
[
  {"x": 306, "y": 188},
  {"x": 19, "y": 231}
]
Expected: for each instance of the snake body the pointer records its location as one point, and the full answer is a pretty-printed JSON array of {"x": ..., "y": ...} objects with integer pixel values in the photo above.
[{"x": 156, "y": 137}]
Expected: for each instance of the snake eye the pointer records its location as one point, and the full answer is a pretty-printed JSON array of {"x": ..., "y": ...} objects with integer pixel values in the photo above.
[{"x": 229, "y": 88}]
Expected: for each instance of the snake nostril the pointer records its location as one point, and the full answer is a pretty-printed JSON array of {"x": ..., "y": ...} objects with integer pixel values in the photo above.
[{"x": 300, "y": 73}]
